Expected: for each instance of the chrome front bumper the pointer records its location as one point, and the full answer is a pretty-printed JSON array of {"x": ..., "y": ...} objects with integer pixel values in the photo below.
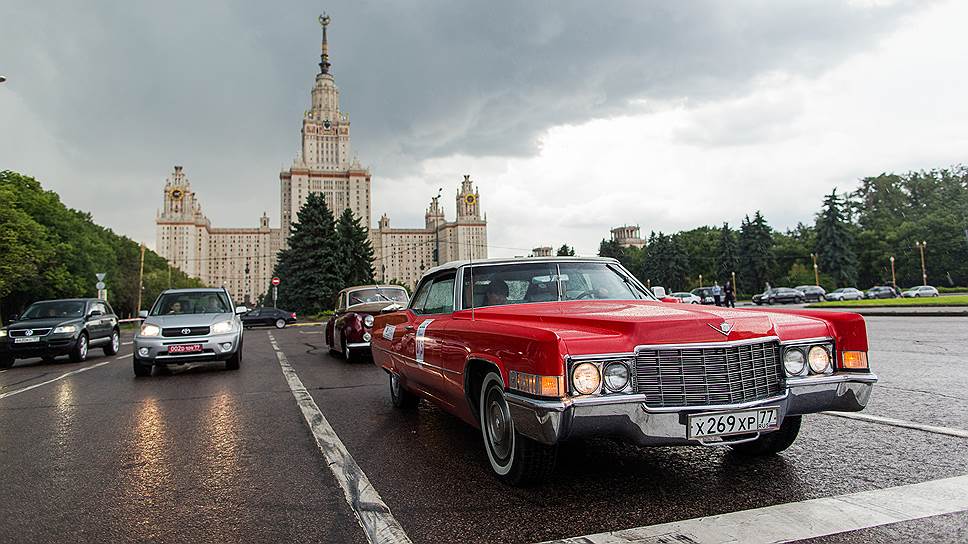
[{"x": 627, "y": 416}]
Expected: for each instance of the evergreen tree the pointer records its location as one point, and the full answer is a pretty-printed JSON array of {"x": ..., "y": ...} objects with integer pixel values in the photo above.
[
  {"x": 566, "y": 251},
  {"x": 310, "y": 267},
  {"x": 728, "y": 260},
  {"x": 834, "y": 248},
  {"x": 756, "y": 258},
  {"x": 355, "y": 250},
  {"x": 611, "y": 248},
  {"x": 677, "y": 264}
]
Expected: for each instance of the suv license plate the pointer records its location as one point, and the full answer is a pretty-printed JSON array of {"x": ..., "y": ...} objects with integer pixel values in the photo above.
[
  {"x": 738, "y": 422},
  {"x": 26, "y": 339},
  {"x": 185, "y": 348}
]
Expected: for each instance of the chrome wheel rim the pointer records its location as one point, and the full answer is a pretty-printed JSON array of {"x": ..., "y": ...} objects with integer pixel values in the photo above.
[
  {"x": 498, "y": 425},
  {"x": 280, "y": 323},
  {"x": 82, "y": 348},
  {"x": 394, "y": 386},
  {"x": 115, "y": 341}
]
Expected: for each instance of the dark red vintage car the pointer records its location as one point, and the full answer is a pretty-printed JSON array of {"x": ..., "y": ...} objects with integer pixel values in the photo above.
[
  {"x": 538, "y": 351},
  {"x": 348, "y": 332}
]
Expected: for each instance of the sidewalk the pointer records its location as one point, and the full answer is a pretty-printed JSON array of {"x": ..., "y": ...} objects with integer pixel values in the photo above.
[{"x": 889, "y": 311}]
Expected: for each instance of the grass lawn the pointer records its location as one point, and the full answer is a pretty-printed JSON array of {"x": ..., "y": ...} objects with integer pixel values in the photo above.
[{"x": 950, "y": 300}]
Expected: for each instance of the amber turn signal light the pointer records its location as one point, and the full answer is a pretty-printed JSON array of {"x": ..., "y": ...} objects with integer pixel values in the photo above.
[
  {"x": 855, "y": 359},
  {"x": 542, "y": 386}
]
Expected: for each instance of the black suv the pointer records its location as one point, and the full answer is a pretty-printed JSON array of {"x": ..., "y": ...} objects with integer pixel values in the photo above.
[{"x": 60, "y": 327}]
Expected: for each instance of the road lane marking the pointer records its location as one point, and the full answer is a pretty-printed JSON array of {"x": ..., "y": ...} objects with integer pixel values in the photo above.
[
  {"x": 52, "y": 380},
  {"x": 801, "y": 520},
  {"x": 372, "y": 513},
  {"x": 127, "y": 343},
  {"x": 123, "y": 357},
  {"x": 949, "y": 431}
]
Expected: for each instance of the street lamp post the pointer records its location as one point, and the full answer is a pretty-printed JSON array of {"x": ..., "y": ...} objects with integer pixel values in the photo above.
[
  {"x": 893, "y": 278},
  {"x": 437, "y": 227},
  {"x": 924, "y": 272},
  {"x": 816, "y": 272},
  {"x": 700, "y": 281}
]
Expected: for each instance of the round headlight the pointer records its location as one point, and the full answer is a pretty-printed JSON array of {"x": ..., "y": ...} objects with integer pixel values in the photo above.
[
  {"x": 616, "y": 376},
  {"x": 586, "y": 378},
  {"x": 368, "y": 320},
  {"x": 819, "y": 359},
  {"x": 793, "y": 362}
]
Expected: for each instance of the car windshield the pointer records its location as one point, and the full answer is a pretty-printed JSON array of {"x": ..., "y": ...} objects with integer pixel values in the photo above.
[
  {"x": 522, "y": 283},
  {"x": 54, "y": 309},
  {"x": 200, "y": 302},
  {"x": 383, "y": 294}
]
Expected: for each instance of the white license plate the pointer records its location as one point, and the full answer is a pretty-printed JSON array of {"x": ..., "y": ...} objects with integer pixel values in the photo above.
[
  {"x": 26, "y": 339},
  {"x": 738, "y": 422}
]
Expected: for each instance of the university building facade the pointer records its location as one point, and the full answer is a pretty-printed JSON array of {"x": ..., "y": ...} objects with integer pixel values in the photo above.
[{"x": 243, "y": 259}]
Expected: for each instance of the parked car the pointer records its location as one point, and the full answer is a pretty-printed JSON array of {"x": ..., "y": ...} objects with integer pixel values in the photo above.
[
  {"x": 51, "y": 328},
  {"x": 881, "y": 291},
  {"x": 268, "y": 317},
  {"x": 921, "y": 291},
  {"x": 776, "y": 295},
  {"x": 813, "y": 293},
  {"x": 845, "y": 293},
  {"x": 688, "y": 298},
  {"x": 349, "y": 331},
  {"x": 186, "y": 326},
  {"x": 538, "y": 351},
  {"x": 705, "y": 295}
]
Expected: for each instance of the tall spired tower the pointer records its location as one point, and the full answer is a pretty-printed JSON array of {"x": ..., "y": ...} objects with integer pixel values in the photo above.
[{"x": 323, "y": 164}]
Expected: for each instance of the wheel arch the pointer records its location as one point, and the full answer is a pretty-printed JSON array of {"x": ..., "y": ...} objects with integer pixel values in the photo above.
[{"x": 475, "y": 369}]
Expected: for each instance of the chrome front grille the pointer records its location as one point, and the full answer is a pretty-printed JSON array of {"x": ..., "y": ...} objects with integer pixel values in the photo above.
[
  {"x": 708, "y": 376},
  {"x": 170, "y": 332}
]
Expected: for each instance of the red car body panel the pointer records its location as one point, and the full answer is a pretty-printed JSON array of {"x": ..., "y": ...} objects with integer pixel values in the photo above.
[{"x": 536, "y": 338}]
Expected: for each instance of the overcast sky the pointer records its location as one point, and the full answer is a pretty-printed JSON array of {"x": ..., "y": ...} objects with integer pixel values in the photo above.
[{"x": 572, "y": 117}]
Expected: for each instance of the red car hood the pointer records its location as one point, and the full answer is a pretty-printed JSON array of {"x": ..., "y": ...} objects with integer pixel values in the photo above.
[{"x": 604, "y": 326}]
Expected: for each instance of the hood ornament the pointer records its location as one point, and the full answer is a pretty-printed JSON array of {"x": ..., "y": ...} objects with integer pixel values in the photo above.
[{"x": 723, "y": 328}]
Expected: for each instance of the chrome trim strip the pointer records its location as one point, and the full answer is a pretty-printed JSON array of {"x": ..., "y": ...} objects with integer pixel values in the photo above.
[
  {"x": 358, "y": 345},
  {"x": 703, "y": 345},
  {"x": 806, "y": 381}
]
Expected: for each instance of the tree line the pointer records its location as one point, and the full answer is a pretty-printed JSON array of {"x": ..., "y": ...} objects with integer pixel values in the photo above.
[
  {"x": 853, "y": 237},
  {"x": 48, "y": 250},
  {"x": 323, "y": 256}
]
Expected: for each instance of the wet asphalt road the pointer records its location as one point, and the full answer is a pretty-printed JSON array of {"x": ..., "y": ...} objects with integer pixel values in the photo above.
[{"x": 201, "y": 454}]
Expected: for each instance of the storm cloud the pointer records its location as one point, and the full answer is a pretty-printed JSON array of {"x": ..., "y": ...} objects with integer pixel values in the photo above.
[{"x": 104, "y": 97}]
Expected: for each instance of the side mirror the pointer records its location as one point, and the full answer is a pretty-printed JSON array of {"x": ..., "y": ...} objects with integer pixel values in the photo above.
[
  {"x": 659, "y": 291},
  {"x": 239, "y": 310},
  {"x": 143, "y": 314},
  {"x": 95, "y": 313}
]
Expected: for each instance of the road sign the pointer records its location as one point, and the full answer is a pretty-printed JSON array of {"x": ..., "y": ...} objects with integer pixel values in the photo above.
[
  {"x": 275, "y": 281},
  {"x": 99, "y": 285},
  {"x": 100, "y": 277}
]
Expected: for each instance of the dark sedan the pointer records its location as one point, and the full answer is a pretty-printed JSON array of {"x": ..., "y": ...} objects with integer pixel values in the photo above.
[
  {"x": 812, "y": 293},
  {"x": 781, "y": 295},
  {"x": 881, "y": 291},
  {"x": 269, "y": 317}
]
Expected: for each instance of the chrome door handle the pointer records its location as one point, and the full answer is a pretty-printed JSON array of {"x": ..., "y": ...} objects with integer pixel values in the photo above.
[{"x": 408, "y": 328}]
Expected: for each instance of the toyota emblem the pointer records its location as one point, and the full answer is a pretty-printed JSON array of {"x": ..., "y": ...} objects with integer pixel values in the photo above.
[
  {"x": 186, "y": 331},
  {"x": 29, "y": 332}
]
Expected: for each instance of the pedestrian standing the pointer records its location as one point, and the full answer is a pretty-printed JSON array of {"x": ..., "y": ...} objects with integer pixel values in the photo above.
[
  {"x": 718, "y": 294},
  {"x": 730, "y": 295}
]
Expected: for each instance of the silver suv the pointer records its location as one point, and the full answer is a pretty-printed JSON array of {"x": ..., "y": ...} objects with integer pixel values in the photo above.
[{"x": 189, "y": 325}]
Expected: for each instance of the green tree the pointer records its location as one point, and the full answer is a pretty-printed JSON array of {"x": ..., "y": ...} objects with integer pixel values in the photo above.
[
  {"x": 834, "y": 248},
  {"x": 756, "y": 258},
  {"x": 309, "y": 267},
  {"x": 728, "y": 254},
  {"x": 355, "y": 250},
  {"x": 566, "y": 251}
]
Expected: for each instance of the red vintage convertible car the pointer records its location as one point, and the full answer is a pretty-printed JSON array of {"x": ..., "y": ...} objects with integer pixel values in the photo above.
[
  {"x": 538, "y": 351},
  {"x": 348, "y": 332}
]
